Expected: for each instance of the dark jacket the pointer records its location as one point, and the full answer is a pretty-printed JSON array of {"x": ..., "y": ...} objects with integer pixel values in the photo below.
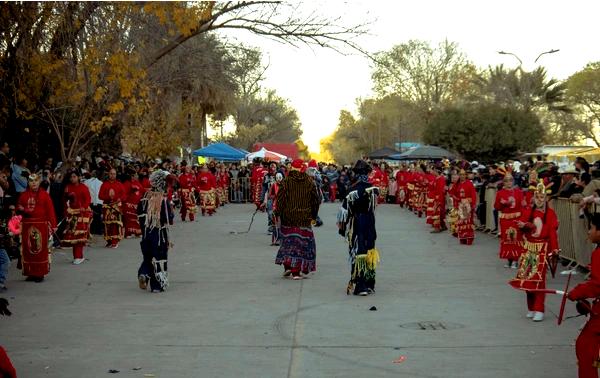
[{"x": 297, "y": 200}]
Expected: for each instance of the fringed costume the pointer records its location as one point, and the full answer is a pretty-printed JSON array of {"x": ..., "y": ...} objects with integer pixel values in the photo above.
[
  {"x": 208, "y": 196},
  {"x": 112, "y": 194},
  {"x": 465, "y": 227},
  {"x": 357, "y": 223},
  {"x": 509, "y": 205},
  {"x": 187, "y": 185},
  {"x": 154, "y": 214},
  {"x": 78, "y": 218},
  {"x": 540, "y": 227}
]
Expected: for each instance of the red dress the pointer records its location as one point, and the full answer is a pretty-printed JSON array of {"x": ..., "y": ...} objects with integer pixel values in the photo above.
[
  {"x": 224, "y": 183},
  {"x": 429, "y": 185},
  {"x": 376, "y": 178},
  {"x": 464, "y": 224},
  {"x": 540, "y": 239},
  {"x": 112, "y": 194},
  {"x": 206, "y": 186},
  {"x": 588, "y": 342},
  {"x": 187, "y": 187},
  {"x": 439, "y": 202},
  {"x": 402, "y": 181},
  {"x": 509, "y": 203},
  {"x": 77, "y": 201},
  {"x": 38, "y": 218},
  {"x": 133, "y": 194},
  {"x": 256, "y": 180}
]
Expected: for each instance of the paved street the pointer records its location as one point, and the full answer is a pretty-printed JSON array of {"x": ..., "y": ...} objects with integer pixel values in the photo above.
[{"x": 228, "y": 312}]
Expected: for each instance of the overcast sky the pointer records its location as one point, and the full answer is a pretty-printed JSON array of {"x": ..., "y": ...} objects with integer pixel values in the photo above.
[{"x": 319, "y": 82}]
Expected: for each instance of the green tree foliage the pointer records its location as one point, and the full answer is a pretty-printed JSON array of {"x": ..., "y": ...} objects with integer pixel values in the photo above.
[
  {"x": 427, "y": 76},
  {"x": 72, "y": 71},
  {"x": 583, "y": 93},
  {"x": 265, "y": 118},
  {"x": 527, "y": 91},
  {"x": 380, "y": 123},
  {"x": 485, "y": 132}
]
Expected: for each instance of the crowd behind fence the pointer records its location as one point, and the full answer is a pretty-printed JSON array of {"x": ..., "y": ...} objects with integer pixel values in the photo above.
[{"x": 572, "y": 231}]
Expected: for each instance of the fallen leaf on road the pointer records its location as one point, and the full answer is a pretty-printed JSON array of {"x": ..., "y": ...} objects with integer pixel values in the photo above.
[
  {"x": 400, "y": 360},
  {"x": 113, "y": 371},
  {"x": 373, "y": 308},
  {"x": 137, "y": 368}
]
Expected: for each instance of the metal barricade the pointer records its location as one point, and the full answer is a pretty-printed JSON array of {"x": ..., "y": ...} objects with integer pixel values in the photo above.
[
  {"x": 240, "y": 190},
  {"x": 572, "y": 233},
  {"x": 562, "y": 207},
  {"x": 490, "y": 199}
]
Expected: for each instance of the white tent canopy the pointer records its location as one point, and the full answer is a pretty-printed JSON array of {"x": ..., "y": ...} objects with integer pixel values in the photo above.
[{"x": 267, "y": 155}]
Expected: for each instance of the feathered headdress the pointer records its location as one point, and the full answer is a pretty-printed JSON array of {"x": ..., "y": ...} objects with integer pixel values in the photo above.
[
  {"x": 542, "y": 188},
  {"x": 158, "y": 180}
]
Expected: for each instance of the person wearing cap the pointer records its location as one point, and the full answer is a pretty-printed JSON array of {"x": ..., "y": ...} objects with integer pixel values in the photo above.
[
  {"x": 467, "y": 199},
  {"x": 79, "y": 215},
  {"x": 154, "y": 214},
  {"x": 297, "y": 207},
  {"x": 39, "y": 221},
  {"x": 187, "y": 188},
  {"x": 539, "y": 225},
  {"x": 356, "y": 222},
  {"x": 112, "y": 194},
  {"x": 568, "y": 185},
  {"x": 509, "y": 204}
]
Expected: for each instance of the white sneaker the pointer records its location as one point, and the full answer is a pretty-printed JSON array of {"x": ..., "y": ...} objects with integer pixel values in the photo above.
[
  {"x": 530, "y": 314},
  {"x": 78, "y": 261},
  {"x": 538, "y": 316},
  {"x": 507, "y": 265},
  {"x": 515, "y": 265}
]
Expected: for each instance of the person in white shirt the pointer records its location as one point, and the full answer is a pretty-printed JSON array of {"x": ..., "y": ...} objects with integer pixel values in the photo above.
[{"x": 94, "y": 184}]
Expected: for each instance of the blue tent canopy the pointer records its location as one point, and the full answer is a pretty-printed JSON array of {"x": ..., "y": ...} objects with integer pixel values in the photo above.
[{"x": 220, "y": 151}]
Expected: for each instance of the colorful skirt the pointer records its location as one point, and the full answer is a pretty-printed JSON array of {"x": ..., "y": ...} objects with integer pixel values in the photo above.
[
  {"x": 35, "y": 255},
  {"x": 130, "y": 219},
  {"x": 531, "y": 274},
  {"x": 208, "y": 200},
  {"x": 188, "y": 201},
  {"x": 298, "y": 249},
  {"x": 511, "y": 237},
  {"x": 113, "y": 222},
  {"x": 78, "y": 227}
]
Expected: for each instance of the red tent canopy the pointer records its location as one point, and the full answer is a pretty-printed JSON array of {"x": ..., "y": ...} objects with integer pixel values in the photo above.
[{"x": 288, "y": 149}]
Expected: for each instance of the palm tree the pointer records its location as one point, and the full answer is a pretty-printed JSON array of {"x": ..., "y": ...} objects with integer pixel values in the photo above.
[{"x": 528, "y": 91}]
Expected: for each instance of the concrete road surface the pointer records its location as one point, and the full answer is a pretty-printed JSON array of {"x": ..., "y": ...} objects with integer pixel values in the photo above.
[{"x": 445, "y": 309}]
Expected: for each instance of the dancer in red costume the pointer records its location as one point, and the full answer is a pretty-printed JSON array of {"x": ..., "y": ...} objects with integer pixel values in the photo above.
[
  {"x": 78, "y": 213},
  {"x": 539, "y": 226},
  {"x": 38, "y": 220},
  {"x": 588, "y": 343},
  {"x": 509, "y": 204},
  {"x": 112, "y": 194}
]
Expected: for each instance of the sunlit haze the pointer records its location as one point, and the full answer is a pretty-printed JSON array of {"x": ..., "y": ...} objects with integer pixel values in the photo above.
[{"x": 320, "y": 82}]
